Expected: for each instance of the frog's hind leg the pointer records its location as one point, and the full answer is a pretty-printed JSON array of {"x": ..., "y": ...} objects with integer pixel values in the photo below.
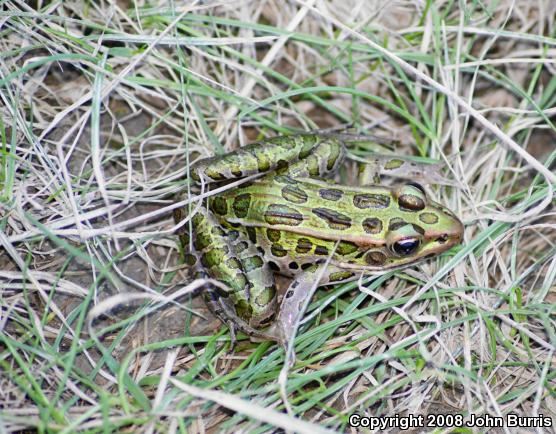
[
  {"x": 301, "y": 155},
  {"x": 246, "y": 297},
  {"x": 323, "y": 159},
  {"x": 224, "y": 310},
  {"x": 258, "y": 303},
  {"x": 218, "y": 306}
]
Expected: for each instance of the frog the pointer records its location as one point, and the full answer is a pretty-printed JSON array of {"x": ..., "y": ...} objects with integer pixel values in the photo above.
[{"x": 292, "y": 218}]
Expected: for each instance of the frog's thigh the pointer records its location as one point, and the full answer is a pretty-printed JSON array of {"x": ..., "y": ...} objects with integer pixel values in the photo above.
[
  {"x": 327, "y": 154},
  {"x": 230, "y": 257},
  {"x": 248, "y": 296},
  {"x": 216, "y": 256},
  {"x": 261, "y": 294}
]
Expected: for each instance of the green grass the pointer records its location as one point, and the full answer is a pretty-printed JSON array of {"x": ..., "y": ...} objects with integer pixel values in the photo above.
[{"x": 104, "y": 108}]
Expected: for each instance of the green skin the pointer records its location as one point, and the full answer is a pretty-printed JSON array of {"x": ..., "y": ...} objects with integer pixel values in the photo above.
[{"x": 292, "y": 221}]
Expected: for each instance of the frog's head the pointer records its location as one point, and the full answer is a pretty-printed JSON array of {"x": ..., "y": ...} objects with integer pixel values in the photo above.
[
  {"x": 412, "y": 228},
  {"x": 424, "y": 229}
]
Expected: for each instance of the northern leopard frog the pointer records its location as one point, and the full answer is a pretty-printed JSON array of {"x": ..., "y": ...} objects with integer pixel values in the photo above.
[{"x": 293, "y": 221}]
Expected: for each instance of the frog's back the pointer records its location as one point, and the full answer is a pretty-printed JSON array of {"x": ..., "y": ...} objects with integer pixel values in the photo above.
[{"x": 299, "y": 221}]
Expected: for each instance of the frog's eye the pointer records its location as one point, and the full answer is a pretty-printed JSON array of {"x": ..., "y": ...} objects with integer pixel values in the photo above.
[
  {"x": 404, "y": 240},
  {"x": 412, "y": 197},
  {"x": 406, "y": 247}
]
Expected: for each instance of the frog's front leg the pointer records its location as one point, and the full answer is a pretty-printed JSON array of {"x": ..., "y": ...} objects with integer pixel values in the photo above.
[{"x": 298, "y": 295}]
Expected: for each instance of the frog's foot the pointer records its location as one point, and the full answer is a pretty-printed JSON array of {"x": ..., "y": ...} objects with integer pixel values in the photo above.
[
  {"x": 236, "y": 323},
  {"x": 224, "y": 310}
]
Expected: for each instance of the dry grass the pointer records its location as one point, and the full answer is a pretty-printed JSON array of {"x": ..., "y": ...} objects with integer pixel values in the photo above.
[{"x": 103, "y": 106}]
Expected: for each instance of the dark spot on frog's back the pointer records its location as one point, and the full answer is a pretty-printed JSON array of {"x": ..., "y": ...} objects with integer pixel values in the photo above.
[
  {"x": 198, "y": 220},
  {"x": 396, "y": 223},
  {"x": 321, "y": 250},
  {"x": 372, "y": 225},
  {"x": 273, "y": 235},
  {"x": 304, "y": 245},
  {"x": 236, "y": 171},
  {"x": 309, "y": 267},
  {"x": 346, "y": 248},
  {"x": 306, "y": 148},
  {"x": 281, "y": 165},
  {"x": 278, "y": 250},
  {"x": 294, "y": 194},
  {"x": 263, "y": 161},
  {"x": 313, "y": 165},
  {"x": 244, "y": 310},
  {"x": 202, "y": 240},
  {"x": 190, "y": 259},
  {"x": 332, "y": 194},
  {"x": 263, "y": 166},
  {"x": 185, "y": 238},
  {"x": 334, "y": 219},
  {"x": 428, "y": 218},
  {"x": 282, "y": 215},
  {"x": 241, "y": 205},
  {"x": 410, "y": 202},
  {"x": 371, "y": 200}
]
